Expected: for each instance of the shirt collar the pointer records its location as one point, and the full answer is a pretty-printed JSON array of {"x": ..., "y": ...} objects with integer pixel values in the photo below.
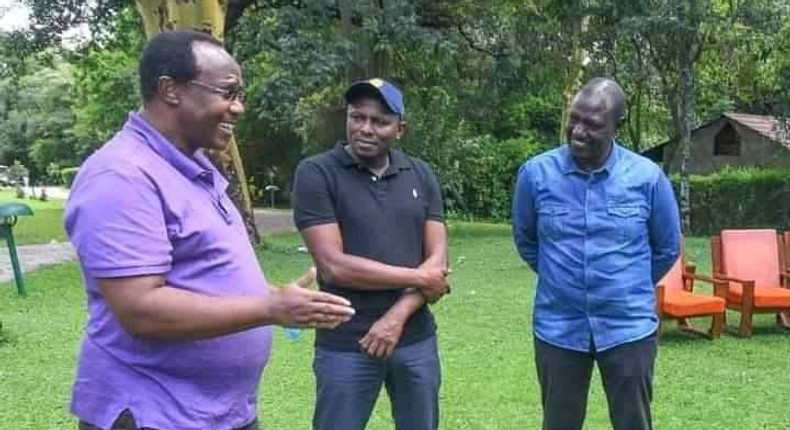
[
  {"x": 398, "y": 160},
  {"x": 191, "y": 167},
  {"x": 568, "y": 164}
]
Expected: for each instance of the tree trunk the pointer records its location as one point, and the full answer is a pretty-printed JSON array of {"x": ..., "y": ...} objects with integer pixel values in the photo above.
[
  {"x": 575, "y": 71},
  {"x": 207, "y": 16},
  {"x": 686, "y": 114}
]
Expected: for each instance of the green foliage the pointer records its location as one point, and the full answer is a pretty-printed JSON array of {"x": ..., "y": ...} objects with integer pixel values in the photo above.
[
  {"x": 53, "y": 174},
  {"x": 739, "y": 198},
  {"x": 475, "y": 76},
  {"x": 17, "y": 172},
  {"x": 479, "y": 183},
  {"x": 38, "y": 129},
  {"x": 67, "y": 175},
  {"x": 106, "y": 84}
]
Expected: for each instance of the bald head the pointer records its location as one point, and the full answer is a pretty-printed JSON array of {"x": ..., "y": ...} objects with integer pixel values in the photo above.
[
  {"x": 609, "y": 91},
  {"x": 595, "y": 114}
]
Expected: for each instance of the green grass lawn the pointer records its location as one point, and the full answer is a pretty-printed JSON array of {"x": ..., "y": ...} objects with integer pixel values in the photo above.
[
  {"x": 45, "y": 225},
  {"x": 486, "y": 349}
]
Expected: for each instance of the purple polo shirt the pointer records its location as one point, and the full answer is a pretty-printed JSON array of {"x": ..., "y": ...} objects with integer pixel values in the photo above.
[{"x": 140, "y": 207}]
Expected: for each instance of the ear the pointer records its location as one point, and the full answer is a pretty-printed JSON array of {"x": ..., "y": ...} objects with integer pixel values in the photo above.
[
  {"x": 401, "y": 129},
  {"x": 168, "y": 90}
]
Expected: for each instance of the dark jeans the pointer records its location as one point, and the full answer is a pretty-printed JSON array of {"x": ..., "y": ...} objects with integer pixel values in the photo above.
[
  {"x": 125, "y": 421},
  {"x": 348, "y": 384},
  {"x": 627, "y": 376}
]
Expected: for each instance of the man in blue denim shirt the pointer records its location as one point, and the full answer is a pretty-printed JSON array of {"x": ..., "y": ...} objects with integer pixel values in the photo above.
[{"x": 599, "y": 225}]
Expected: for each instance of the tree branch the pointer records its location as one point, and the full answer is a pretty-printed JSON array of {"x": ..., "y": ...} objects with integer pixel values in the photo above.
[{"x": 472, "y": 43}]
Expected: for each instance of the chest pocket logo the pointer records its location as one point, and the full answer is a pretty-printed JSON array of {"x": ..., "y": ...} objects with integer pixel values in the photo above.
[
  {"x": 628, "y": 219},
  {"x": 550, "y": 221}
]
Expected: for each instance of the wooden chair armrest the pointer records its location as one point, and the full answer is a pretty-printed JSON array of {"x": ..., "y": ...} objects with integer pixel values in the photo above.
[
  {"x": 660, "y": 292},
  {"x": 723, "y": 277},
  {"x": 703, "y": 278},
  {"x": 719, "y": 285}
]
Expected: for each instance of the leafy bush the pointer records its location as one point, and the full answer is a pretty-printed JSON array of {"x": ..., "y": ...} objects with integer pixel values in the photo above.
[
  {"x": 67, "y": 175},
  {"x": 53, "y": 175},
  {"x": 484, "y": 171},
  {"x": 739, "y": 198}
]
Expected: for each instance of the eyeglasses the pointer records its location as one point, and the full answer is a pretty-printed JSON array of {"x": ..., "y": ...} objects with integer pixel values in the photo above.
[{"x": 227, "y": 94}]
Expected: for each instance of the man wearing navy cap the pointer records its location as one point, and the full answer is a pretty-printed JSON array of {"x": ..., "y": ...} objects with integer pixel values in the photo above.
[{"x": 373, "y": 221}]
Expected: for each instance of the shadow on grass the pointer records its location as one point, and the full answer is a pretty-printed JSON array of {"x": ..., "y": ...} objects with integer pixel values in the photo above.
[{"x": 6, "y": 337}]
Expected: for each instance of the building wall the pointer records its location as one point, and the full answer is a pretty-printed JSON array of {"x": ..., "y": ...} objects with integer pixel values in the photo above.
[{"x": 756, "y": 151}]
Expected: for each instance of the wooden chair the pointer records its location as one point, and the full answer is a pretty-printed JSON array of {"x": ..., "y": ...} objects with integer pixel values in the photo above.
[
  {"x": 753, "y": 264},
  {"x": 676, "y": 299}
]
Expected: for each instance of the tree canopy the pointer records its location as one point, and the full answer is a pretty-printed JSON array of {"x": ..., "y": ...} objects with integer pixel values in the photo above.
[{"x": 485, "y": 83}]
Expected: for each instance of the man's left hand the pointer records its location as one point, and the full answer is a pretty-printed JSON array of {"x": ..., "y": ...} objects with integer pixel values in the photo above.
[{"x": 382, "y": 338}]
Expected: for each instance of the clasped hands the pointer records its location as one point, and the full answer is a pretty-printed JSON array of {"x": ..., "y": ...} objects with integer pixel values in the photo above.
[{"x": 432, "y": 281}]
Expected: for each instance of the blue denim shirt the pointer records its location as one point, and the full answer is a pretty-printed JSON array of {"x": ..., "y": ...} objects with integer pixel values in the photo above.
[{"x": 598, "y": 242}]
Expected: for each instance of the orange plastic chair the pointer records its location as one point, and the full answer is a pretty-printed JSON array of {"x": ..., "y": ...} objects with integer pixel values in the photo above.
[
  {"x": 753, "y": 263},
  {"x": 676, "y": 299}
]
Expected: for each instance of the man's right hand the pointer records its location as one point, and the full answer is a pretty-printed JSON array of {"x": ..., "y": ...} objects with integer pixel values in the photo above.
[
  {"x": 295, "y": 305},
  {"x": 432, "y": 282}
]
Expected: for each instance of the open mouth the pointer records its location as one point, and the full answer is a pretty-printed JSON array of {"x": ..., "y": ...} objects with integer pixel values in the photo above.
[{"x": 227, "y": 127}]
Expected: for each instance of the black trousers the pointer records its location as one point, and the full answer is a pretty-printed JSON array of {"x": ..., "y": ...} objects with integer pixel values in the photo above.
[
  {"x": 125, "y": 421},
  {"x": 627, "y": 376}
]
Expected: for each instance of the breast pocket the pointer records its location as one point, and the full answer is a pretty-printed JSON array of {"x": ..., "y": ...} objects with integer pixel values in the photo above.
[
  {"x": 629, "y": 220},
  {"x": 551, "y": 220}
]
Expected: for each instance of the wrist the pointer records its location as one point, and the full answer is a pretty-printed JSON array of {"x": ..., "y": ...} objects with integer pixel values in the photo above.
[
  {"x": 395, "y": 317},
  {"x": 420, "y": 280},
  {"x": 266, "y": 308}
]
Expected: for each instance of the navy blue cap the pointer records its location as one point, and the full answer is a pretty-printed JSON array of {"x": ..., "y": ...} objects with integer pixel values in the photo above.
[{"x": 388, "y": 92}]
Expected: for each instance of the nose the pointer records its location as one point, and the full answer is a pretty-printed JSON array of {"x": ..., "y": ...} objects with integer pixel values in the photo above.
[
  {"x": 237, "y": 106},
  {"x": 366, "y": 127},
  {"x": 578, "y": 131}
]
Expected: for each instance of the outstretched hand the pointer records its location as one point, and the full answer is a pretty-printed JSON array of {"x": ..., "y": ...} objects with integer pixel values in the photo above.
[{"x": 295, "y": 305}]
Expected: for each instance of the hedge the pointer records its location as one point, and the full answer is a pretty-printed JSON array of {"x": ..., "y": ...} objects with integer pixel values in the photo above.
[{"x": 742, "y": 198}]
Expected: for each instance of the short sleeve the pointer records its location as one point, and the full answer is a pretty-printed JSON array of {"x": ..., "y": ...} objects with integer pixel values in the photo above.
[
  {"x": 116, "y": 223},
  {"x": 435, "y": 205},
  {"x": 312, "y": 199}
]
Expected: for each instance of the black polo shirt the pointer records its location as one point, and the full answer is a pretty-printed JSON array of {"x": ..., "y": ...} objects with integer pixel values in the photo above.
[{"x": 380, "y": 219}]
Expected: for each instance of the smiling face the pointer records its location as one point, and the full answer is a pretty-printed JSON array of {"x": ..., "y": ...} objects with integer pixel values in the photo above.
[
  {"x": 370, "y": 128},
  {"x": 591, "y": 127},
  {"x": 208, "y": 118}
]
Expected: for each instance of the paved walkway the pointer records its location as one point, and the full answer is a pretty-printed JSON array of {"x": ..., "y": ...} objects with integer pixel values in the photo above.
[{"x": 32, "y": 257}]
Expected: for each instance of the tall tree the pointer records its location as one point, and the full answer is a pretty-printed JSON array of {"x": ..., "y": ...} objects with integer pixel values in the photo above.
[
  {"x": 672, "y": 34},
  {"x": 53, "y": 17},
  {"x": 207, "y": 16}
]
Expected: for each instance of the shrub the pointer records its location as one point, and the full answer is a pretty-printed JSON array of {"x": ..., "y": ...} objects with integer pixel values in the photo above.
[
  {"x": 67, "y": 175},
  {"x": 483, "y": 176},
  {"x": 738, "y": 198}
]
